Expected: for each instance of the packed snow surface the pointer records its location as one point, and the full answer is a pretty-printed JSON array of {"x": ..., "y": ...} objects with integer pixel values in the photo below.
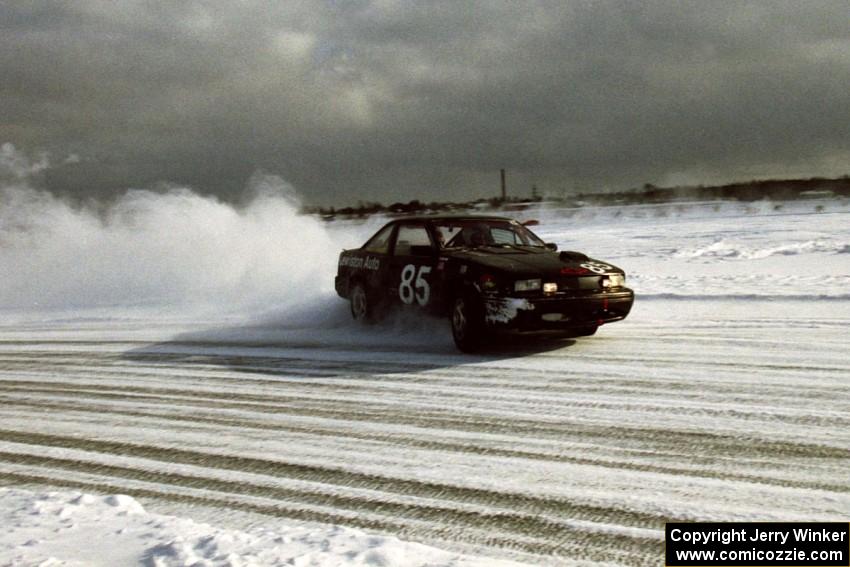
[
  {"x": 254, "y": 423},
  {"x": 49, "y": 528}
]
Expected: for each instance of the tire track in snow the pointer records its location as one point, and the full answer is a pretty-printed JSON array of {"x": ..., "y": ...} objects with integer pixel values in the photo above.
[
  {"x": 554, "y": 424},
  {"x": 343, "y": 478},
  {"x": 727, "y": 445},
  {"x": 574, "y": 540}
]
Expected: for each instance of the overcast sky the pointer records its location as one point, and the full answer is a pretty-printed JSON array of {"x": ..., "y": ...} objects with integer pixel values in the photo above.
[{"x": 392, "y": 100}]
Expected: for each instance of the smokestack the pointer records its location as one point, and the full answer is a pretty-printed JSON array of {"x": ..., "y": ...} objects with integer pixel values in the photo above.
[{"x": 504, "y": 187}]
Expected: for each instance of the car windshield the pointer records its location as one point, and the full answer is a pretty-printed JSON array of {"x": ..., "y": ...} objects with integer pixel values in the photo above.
[{"x": 484, "y": 232}]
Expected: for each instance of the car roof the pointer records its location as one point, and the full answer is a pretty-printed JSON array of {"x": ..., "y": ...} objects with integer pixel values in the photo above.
[{"x": 432, "y": 218}]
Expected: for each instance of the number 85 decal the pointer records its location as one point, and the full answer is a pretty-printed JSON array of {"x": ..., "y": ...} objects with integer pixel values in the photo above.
[
  {"x": 597, "y": 267},
  {"x": 419, "y": 290}
]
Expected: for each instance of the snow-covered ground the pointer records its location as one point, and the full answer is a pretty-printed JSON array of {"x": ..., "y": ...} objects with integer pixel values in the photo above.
[
  {"x": 290, "y": 433},
  {"x": 73, "y": 528}
]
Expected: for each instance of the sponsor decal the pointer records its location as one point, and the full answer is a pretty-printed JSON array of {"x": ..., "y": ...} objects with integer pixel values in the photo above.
[{"x": 358, "y": 262}]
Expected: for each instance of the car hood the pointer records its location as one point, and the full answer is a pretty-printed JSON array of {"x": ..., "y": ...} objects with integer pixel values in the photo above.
[{"x": 527, "y": 261}]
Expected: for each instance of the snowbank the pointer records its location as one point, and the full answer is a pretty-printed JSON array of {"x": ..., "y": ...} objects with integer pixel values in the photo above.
[{"x": 71, "y": 529}]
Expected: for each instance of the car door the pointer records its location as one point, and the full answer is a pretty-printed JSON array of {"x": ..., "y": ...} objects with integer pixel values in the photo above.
[
  {"x": 414, "y": 256},
  {"x": 370, "y": 263}
]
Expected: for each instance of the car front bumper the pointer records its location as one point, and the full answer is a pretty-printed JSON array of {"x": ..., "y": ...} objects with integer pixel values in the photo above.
[{"x": 559, "y": 311}]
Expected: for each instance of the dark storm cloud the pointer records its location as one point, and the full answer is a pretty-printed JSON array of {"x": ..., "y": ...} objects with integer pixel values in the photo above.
[{"x": 398, "y": 100}]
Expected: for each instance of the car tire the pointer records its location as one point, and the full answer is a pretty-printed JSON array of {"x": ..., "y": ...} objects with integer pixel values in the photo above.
[
  {"x": 467, "y": 318},
  {"x": 362, "y": 304}
]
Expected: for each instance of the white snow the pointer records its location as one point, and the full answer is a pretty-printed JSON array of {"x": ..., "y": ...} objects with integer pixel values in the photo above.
[
  {"x": 72, "y": 528},
  {"x": 799, "y": 249}
]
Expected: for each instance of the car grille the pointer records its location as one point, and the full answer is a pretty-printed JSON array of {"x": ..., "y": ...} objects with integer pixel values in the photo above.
[{"x": 580, "y": 283}]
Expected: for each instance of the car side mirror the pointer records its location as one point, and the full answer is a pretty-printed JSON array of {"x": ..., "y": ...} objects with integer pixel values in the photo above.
[
  {"x": 552, "y": 246},
  {"x": 422, "y": 250}
]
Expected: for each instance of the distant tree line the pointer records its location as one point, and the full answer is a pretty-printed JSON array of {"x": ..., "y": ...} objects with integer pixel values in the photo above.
[
  {"x": 365, "y": 209},
  {"x": 756, "y": 190},
  {"x": 773, "y": 189}
]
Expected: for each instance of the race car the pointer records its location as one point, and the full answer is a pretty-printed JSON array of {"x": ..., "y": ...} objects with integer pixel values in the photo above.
[{"x": 486, "y": 273}]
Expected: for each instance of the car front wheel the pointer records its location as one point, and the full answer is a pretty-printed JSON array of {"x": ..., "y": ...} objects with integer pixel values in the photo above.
[{"x": 467, "y": 323}]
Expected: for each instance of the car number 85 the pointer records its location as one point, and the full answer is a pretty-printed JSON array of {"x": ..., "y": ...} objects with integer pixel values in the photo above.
[
  {"x": 597, "y": 267},
  {"x": 419, "y": 289}
]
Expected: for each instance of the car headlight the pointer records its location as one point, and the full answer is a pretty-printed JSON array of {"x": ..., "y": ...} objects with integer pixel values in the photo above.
[
  {"x": 614, "y": 280},
  {"x": 528, "y": 285}
]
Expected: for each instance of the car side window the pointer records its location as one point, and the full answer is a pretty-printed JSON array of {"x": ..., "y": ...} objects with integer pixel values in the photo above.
[
  {"x": 410, "y": 235},
  {"x": 380, "y": 243}
]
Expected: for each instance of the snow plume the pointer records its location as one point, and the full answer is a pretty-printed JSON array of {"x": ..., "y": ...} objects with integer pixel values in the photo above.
[
  {"x": 173, "y": 248},
  {"x": 16, "y": 165}
]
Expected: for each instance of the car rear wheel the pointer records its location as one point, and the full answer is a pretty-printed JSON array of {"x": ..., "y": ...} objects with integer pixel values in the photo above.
[
  {"x": 467, "y": 323},
  {"x": 361, "y": 307}
]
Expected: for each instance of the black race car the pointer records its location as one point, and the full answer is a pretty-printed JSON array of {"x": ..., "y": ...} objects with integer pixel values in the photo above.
[{"x": 487, "y": 273}]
